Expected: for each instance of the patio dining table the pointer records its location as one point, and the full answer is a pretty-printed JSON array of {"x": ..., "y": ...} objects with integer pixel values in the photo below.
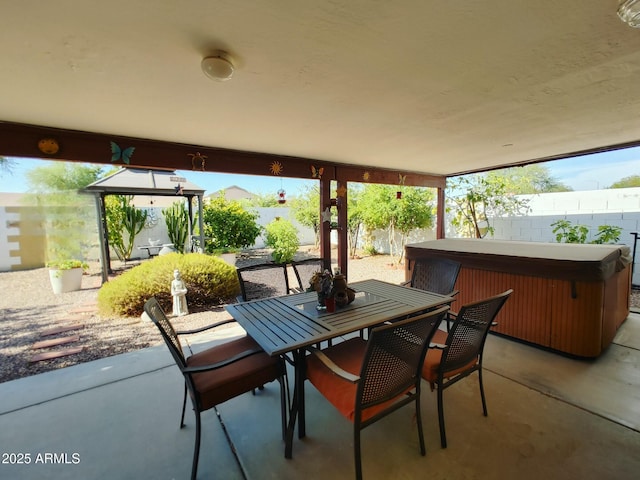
[{"x": 285, "y": 325}]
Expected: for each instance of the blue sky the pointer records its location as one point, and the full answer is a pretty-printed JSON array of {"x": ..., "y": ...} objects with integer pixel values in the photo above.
[{"x": 588, "y": 172}]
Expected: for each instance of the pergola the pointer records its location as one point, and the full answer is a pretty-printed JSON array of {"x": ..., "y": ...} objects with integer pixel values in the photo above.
[{"x": 140, "y": 181}]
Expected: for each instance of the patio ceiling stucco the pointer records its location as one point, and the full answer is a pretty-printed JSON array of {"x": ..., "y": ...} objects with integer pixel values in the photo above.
[{"x": 430, "y": 87}]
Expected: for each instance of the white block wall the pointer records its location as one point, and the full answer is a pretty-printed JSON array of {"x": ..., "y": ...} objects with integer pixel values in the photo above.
[{"x": 617, "y": 207}]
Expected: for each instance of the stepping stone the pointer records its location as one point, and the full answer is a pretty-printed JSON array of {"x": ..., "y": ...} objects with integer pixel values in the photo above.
[
  {"x": 85, "y": 309},
  {"x": 57, "y": 354},
  {"x": 55, "y": 341},
  {"x": 61, "y": 329}
]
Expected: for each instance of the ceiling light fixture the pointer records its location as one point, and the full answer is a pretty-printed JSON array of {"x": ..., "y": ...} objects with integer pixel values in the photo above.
[
  {"x": 218, "y": 67},
  {"x": 629, "y": 12}
]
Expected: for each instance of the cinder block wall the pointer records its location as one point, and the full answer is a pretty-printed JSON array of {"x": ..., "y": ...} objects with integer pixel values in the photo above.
[
  {"x": 22, "y": 239},
  {"x": 617, "y": 207}
]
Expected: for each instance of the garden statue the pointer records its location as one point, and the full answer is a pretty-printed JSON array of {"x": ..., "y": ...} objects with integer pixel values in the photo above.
[{"x": 179, "y": 292}]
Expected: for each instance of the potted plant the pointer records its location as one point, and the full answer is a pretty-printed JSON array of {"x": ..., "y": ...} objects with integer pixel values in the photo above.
[{"x": 66, "y": 275}]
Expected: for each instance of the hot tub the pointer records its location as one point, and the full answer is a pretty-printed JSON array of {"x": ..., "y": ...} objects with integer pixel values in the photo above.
[{"x": 567, "y": 297}]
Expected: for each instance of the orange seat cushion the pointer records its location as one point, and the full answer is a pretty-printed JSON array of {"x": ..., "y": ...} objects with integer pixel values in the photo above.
[
  {"x": 341, "y": 393},
  {"x": 440, "y": 337},
  {"x": 434, "y": 357},
  {"x": 217, "y": 386}
]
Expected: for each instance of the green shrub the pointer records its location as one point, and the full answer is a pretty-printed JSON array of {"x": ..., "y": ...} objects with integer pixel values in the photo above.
[
  {"x": 282, "y": 236},
  {"x": 569, "y": 233},
  {"x": 228, "y": 225},
  {"x": 370, "y": 249},
  {"x": 67, "y": 264},
  {"x": 607, "y": 234},
  {"x": 209, "y": 280}
]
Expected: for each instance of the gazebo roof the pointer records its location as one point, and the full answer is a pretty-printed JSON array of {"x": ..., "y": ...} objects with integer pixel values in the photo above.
[
  {"x": 139, "y": 181},
  {"x": 142, "y": 181}
]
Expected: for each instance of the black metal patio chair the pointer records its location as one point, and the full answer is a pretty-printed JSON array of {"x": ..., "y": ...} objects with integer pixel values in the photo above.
[
  {"x": 262, "y": 281},
  {"x": 304, "y": 270},
  {"x": 437, "y": 275},
  {"x": 457, "y": 354},
  {"x": 368, "y": 380},
  {"x": 219, "y": 373}
]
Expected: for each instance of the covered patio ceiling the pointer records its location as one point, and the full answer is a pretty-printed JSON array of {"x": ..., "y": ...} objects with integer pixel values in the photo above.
[{"x": 425, "y": 86}]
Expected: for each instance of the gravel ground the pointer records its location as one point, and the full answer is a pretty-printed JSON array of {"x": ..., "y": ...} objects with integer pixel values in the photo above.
[{"x": 29, "y": 307}]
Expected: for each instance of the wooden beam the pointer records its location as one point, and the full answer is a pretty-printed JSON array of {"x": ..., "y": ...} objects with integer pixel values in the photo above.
[
  {"x": 440, "y": 213},
  {"x": 31, "y": 141},
  {"x": 343, "y": 233},
  {"x": 346, "y": 173}
]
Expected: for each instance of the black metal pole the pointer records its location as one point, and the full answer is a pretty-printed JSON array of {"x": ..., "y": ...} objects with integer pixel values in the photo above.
[{"x": 633, "y": 261}]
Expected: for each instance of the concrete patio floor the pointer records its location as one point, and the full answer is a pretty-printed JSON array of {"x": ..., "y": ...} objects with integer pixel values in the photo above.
[{"x": 550, "y": 417}]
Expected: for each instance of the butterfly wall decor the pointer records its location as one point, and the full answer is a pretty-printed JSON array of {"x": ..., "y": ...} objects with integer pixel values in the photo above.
[
  {"x": 316, "y": 172},
  {"x": 118, "y": 154}
]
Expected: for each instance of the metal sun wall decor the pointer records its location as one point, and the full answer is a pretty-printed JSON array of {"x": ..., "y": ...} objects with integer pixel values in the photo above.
[
  {"x": 48, "y": 146},
  {"x": 276, "y": 168},
  {"x": 118, "y": 153}
]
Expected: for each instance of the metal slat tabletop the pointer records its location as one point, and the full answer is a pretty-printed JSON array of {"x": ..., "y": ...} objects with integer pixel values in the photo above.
[
  {"x": 287, "y": 324},
  {"x": 284, "y": 324}
]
